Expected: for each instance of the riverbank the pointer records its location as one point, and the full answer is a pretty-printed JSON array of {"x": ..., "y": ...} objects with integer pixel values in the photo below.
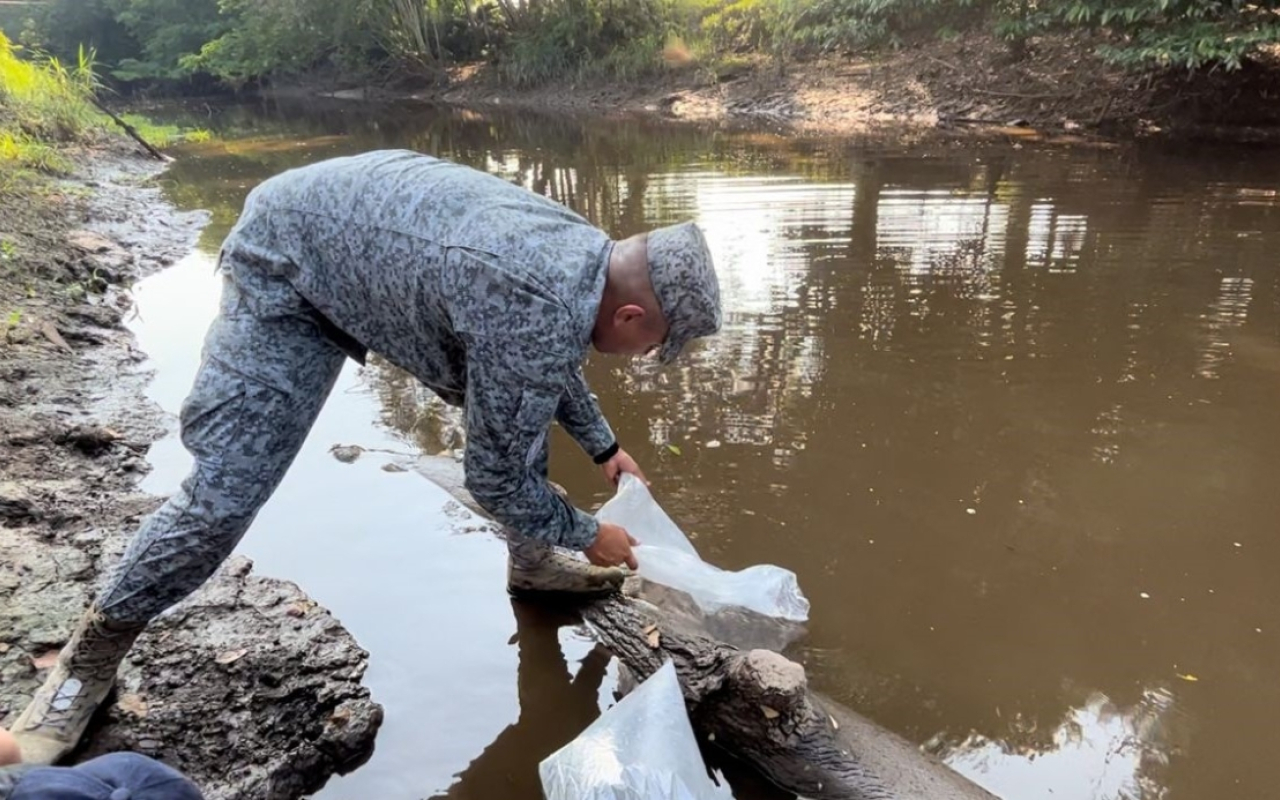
[
  {"x": 969, "y": 83},
  {"x": 249, "y": 686}
]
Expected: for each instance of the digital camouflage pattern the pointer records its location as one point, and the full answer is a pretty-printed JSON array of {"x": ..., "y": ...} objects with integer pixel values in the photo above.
[
  {"x": 265, "y": 372},
  {"x": 684, "y": 280},
  {"x": 482, "y": 290}
]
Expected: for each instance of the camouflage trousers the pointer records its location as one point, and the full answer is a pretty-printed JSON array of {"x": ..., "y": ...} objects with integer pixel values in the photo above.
[{"x": 266, "y": 370}]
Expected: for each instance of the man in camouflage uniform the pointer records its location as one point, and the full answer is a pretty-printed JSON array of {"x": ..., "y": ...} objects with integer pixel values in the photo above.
[{"x": 489, "y": 294}]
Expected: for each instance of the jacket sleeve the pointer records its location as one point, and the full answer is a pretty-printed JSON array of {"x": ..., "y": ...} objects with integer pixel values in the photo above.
[
  {"x": 513, "y": 393},
  {"x": 579, "y": 414}
]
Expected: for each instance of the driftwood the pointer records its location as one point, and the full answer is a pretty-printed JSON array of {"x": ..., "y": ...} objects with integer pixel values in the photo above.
[
  {"x": 129, "y": 129},
  {"x": 754, "y": 704}
]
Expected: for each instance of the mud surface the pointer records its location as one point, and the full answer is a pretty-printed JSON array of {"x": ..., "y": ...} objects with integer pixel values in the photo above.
[{"x": 248, "y": 686}]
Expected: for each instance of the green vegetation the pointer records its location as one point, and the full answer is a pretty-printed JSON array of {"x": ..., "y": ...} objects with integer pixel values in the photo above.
[
  {"x": 236, "y": 42},
  {"x": 49, "y": 100},
  {"x": 42, "y": 105},
  {"x": 163, "y": 136},
  {"x": 1187, "y": 33},
  {"x": 46, "y": 103}
]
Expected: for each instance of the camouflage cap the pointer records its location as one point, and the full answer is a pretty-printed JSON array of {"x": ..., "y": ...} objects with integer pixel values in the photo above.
[{"x": 684, "y": 280}]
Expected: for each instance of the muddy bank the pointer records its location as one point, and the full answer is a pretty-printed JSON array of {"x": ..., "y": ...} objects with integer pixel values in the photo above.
[
  {"x": 970, "y": 84},
  {"x": 248, "y": 686}
]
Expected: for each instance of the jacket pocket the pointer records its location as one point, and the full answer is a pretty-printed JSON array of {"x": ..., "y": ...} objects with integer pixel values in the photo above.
[{"x": 532, "y": 423}]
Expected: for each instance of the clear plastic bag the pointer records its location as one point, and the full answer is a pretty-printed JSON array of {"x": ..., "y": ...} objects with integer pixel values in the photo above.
[
  {"x": 667, "y": 557},
  {"x": 641, "y": 749}
]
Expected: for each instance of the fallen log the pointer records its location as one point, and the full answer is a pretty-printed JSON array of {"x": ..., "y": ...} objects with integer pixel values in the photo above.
[
  {"x": 754, "y": 704},
  {"x": 132, "y": 131}
]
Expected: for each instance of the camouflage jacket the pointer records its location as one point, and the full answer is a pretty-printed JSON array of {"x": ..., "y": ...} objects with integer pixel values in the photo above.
[{"x": 481, "y": 289}]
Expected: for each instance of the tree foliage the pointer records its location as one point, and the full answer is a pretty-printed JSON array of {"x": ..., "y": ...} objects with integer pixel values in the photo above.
[
  {"x": 531, "y": 41},
  {"x": 166, "y": 31},
  {"x": 282, "y": 37},
  {"x": 1182, "y": 33}
]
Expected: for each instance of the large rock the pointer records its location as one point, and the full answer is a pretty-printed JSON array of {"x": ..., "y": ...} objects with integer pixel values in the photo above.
[{"x": 248, "y": 686}]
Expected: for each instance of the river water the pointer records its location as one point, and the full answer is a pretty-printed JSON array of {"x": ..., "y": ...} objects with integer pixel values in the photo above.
[{"x": 1008, "y": 411}]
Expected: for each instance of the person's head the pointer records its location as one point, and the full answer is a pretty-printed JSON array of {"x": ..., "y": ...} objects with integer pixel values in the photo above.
[
  {"x": 660, "y": 293},
  {"x": 9, "y": 752}
]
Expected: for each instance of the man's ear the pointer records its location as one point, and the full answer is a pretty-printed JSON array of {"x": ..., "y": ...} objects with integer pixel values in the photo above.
[{"x": 628, "y": 313}]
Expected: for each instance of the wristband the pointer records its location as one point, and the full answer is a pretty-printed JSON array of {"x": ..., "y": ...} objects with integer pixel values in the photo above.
[{"x": 609, "y": 452}]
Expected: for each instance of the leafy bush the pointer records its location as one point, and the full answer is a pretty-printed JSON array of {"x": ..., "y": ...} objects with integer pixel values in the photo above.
[
  {"x": 826, "y": 25},
  {"x": 1178, "y": 33},
  {"x": 583, "y": 38},
  {"x": 285, "y": 37},
  {"x": 167, "y": 31}
]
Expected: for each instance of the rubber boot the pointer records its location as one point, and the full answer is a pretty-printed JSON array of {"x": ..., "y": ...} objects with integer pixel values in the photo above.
[{"x": 52, "y": 724}]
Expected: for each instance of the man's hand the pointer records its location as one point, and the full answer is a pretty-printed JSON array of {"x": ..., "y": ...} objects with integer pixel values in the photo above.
[
  {"x": 612, "y": 547},
  {"x": 9, "y": 752},
  {"x": 620, "y": 463}
]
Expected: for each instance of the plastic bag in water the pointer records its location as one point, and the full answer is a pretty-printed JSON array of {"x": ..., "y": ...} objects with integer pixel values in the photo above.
[
  {"x": 667, "y": 557},
  {"x": 641, "y": 749}
]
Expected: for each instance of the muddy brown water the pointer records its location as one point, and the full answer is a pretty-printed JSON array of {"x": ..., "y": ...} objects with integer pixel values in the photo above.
[{"x": 1008, "y": 412}]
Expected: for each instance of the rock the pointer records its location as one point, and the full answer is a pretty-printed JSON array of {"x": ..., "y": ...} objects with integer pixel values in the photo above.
[
  {"x": 346, "y": 453},
  {"x": 50, "y": 332},
  {"x": 15, "y": 503},
  {"x": 102, "y": 316},
  {"x": 88, "y": 439},
  {"x": 106, "y": 261},
  {"x": 91, "y": 242},
  {"x": 279, "y": 693},
  {"x": 233, "y": 686}
]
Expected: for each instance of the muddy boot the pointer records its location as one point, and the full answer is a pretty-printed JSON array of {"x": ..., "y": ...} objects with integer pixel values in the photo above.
[
  {"x": 536, "y": 569},
  {"x": 54, "y": 721}
]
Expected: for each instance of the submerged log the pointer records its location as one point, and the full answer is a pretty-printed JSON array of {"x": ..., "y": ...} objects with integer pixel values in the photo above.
[{"x": 755, "y": 704}]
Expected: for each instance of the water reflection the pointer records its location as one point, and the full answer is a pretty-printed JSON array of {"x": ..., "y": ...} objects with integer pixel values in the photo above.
[
  {"x": 1008, "y": 415},
  {"x": 1098, "y": 752},
  {"x": 556, "y": 703},
  {"x": 1228, "y": 312}
]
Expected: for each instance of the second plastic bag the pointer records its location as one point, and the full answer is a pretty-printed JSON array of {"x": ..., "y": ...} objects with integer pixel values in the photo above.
[
  {"x": 641, "y": 749},
  {"x": 667, "y": 557}
]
